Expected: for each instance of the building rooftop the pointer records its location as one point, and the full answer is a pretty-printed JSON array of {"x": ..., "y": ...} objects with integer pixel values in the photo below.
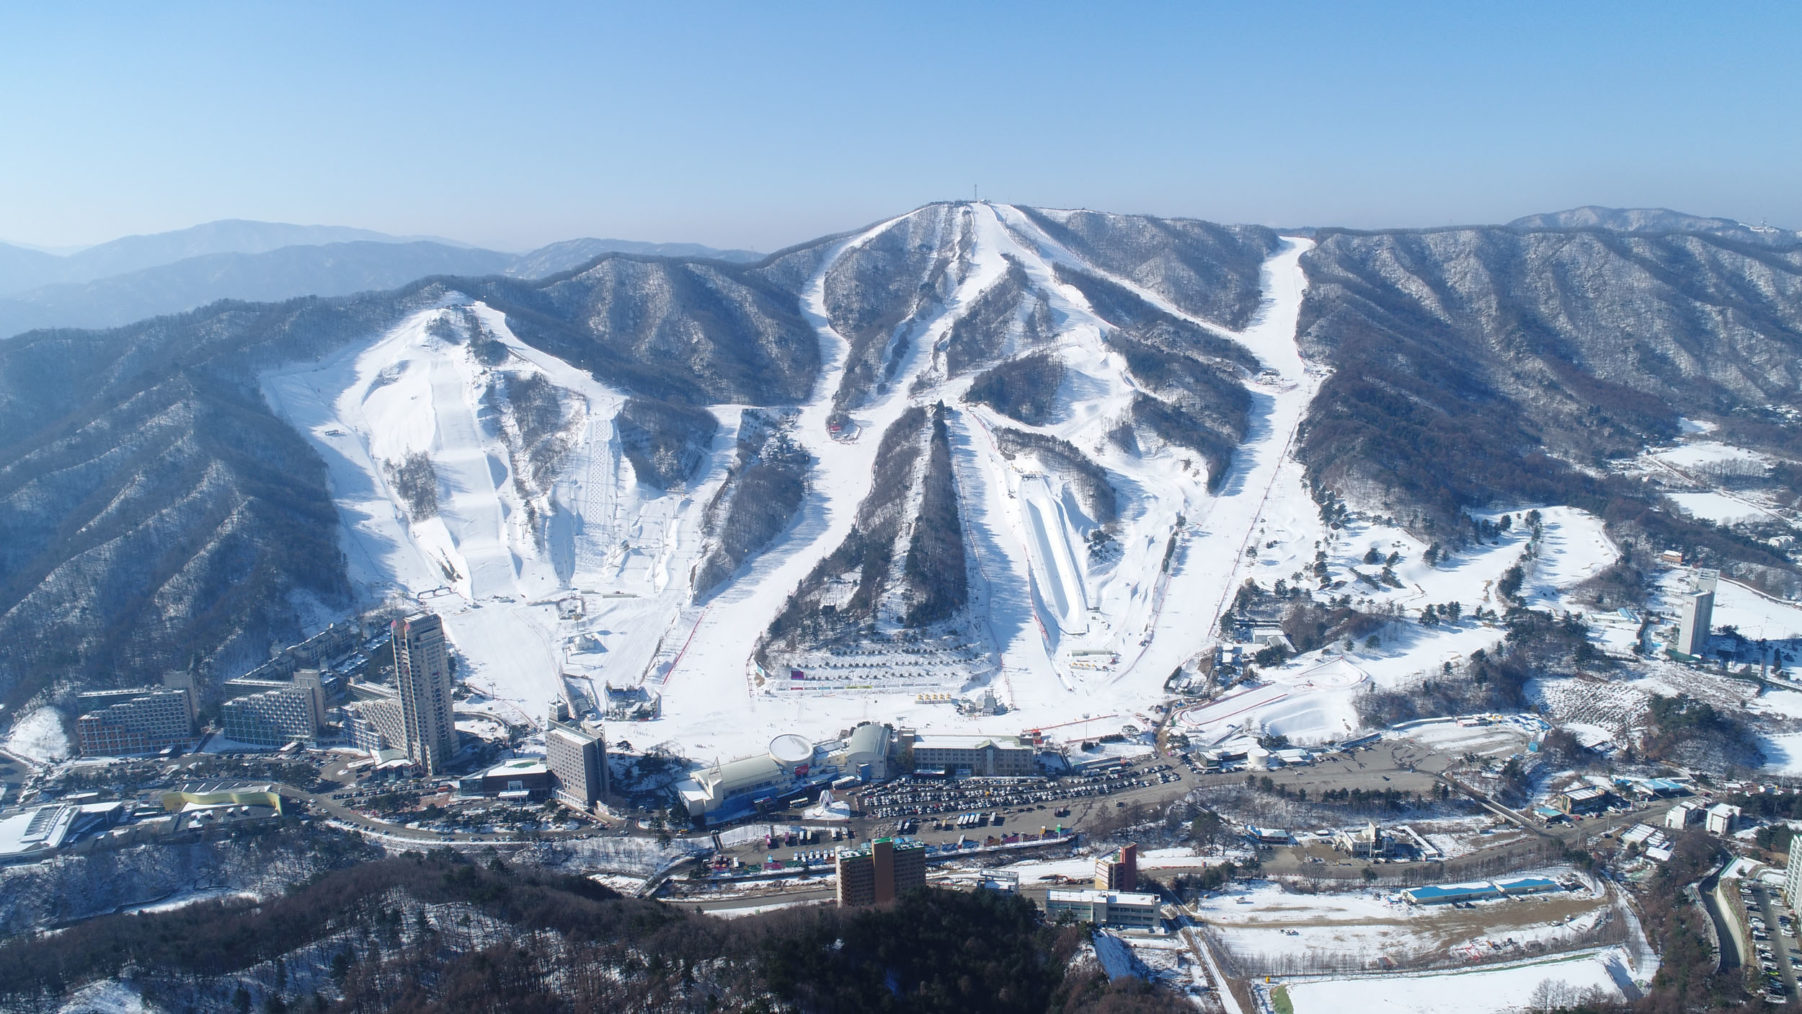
[
  {"x": 900, "y": 846},
  {"x": 724, "y": 779},
  {"x": 868, "y": 738},
  {"x": 38, "y": 830},
  {"x": 1091, "y": 895},
  {"x": 1435, "y": 893},
  {"x": 948, "y": 741}
]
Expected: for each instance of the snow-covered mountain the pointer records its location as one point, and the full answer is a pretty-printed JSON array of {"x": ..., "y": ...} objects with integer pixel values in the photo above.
[
  {"x": 1509, "y": 365},
  {"x": 974, "y": 445},
  {"x": 1653, "y": 220},
  {"x": 876, "y": 518},
  {"x": 570, "y": 254}
]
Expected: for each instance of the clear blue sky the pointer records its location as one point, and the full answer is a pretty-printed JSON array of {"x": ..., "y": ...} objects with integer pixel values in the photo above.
[{"x": 760, "y": 124}]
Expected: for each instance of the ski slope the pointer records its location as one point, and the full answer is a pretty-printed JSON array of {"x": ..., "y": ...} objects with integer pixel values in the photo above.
[
  {"x": 1071, "y": 636},
  {"x": 589, "y": 576},
  {"x": 496, "y": 580},
  {"x": 1055, "y": 570}
]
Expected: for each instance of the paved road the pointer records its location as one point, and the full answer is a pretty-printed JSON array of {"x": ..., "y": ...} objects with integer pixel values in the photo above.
[
  {"x": 323, "y": 804},
  {"x": 1731, "y": 957}
]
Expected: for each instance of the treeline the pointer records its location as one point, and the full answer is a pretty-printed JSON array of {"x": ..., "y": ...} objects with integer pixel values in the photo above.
[
  {"x": 665, "y": 442},
  {"x": 1462, "y": 378},
  {"x": 1687, "y": 731},
  {"x": 868, "y": 551},
  {"x": 1178, "y": 428},
  {"x": 189, "y": 510},
  {"x": 1536, "y": 644},
  {"x": 1198, "y": 405},
  {"x": 877, "y": 290},
  {"x": 439, "y": 932},
  {"x": 1687, "y": 979},
  {"x": 932, "y": 578},
  {"x": 415, "y": 482},
  {"x": 667, "y": 329},
  {"x": 1126, "y": 310},
  {"x": 541, "y": 415},
  {"x": 764, "y": 490},
  {"x": 1310, "y": 625},
  {"x": 1090, "y": 480},
  {"x": 935, "y": 568},
  {"x": 1212, "y": 271},
  {"x": 1025, "y": 388},
  {"x": 939, "y": 951},
  {"x": 983, "y": 333}
]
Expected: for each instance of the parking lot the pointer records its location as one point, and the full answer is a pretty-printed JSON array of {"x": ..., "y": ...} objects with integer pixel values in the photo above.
[
  {"x": 1773, "y": 940},
  {"x": 919, "y": 802}
]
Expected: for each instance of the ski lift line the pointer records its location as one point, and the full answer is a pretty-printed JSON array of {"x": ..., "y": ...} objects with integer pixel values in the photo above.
[
  {"x": 1674, "y": 470},
  {"x": 1251, "y": 530},
  {"x": 1076, "y": 721},
  {"x": 1188, "y": 713},
  {"x": 1158, "y": 588},
  {"x": 670, "y": 673},
  {"x": 982, "y": 570},
  {"x": 1031, "y": 600}
]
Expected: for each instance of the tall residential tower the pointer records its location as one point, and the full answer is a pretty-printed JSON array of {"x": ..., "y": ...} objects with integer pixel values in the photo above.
[
  {"x": 1698, "y": 615},
  {"x": 422, "y": 674}
]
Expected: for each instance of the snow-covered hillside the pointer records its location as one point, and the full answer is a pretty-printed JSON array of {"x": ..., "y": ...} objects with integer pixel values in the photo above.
[
  {"x": 1103, "y": 541},
  {"x": 1123, "y": 403},
  {"x": 1084, "y": 595},
  {"x": 540, "y": 569}
]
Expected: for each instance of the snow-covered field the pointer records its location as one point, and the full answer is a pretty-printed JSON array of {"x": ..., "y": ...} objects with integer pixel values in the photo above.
[
  {"x": 1479, "y": 991},
  {"x": 1754, "y": 614},
  {"x": 1083, "y": 867},
  {"x": 186, "y": 898},
  {"x": 1697, "y": 453},
  {"x": 1783, "y": 753},
  {"x": 1714, "y": 506},
  {"x": 1500, "y": 738},
  {"x": 1262, "y": 922},
  {"x": 1309, "y": 698}
]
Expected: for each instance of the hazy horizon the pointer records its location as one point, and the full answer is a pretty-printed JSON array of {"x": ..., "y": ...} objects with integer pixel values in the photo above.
[
  {"x": 69, "y": 251},
  {"x": 758, "y": 128}
]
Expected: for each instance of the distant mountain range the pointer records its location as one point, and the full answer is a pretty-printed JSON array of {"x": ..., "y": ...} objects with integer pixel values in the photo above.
[
  {"x": 136, "y": 277},
  {"x": 1651, "y": 220},
  {"x": 23, "y": 269}
]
